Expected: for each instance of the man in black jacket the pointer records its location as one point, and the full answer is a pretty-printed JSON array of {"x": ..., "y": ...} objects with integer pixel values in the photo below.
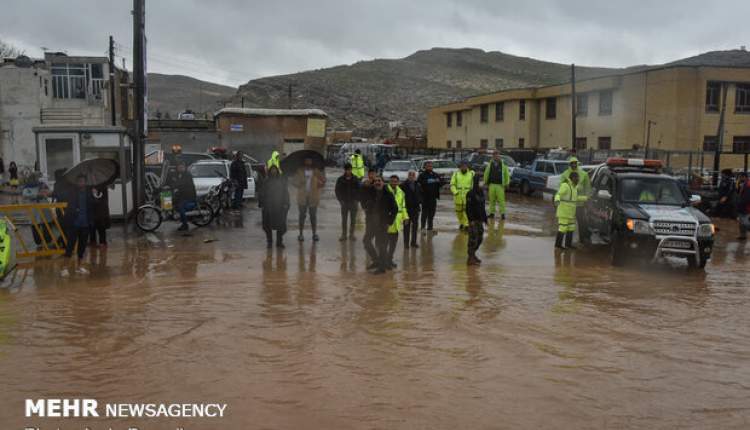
[
  {"x": 78, "y": 218},
  {"x": 413, "y": 196},
  {"x": 238, "y": 175},
  {"x": 477, "y": 216},
  {"x": 380, "y": 210},
  {"x": 347, "y": 193},
  {"x": 183, "y": 191},
  {"x": 430, "y": 183}
]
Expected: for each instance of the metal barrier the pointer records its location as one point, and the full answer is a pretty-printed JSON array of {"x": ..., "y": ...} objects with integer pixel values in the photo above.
[{"x": 42, "y": 217}]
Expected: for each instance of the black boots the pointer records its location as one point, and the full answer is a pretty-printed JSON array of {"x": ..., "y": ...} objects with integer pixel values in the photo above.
[
  {"x": 569, "y": 240},
  {"x": 559, "y": 240}
]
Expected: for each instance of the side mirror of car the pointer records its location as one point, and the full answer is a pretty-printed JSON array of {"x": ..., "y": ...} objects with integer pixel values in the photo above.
[
  {"x": 604, "y": 195},
  {"x": 695, "y": 199}
]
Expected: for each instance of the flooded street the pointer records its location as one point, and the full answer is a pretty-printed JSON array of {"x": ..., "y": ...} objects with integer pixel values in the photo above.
[{"x": 306, "y": 338}]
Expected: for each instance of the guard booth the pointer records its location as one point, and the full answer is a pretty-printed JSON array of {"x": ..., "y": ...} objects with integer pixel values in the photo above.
[{"x": 62, "y": 147}]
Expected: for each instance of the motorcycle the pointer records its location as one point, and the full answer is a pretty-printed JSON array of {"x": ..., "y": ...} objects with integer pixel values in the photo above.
[{"x": 151, "y": 215}]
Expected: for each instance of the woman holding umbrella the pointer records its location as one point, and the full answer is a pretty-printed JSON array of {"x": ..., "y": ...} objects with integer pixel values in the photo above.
[{"x": 306, "y": 169}]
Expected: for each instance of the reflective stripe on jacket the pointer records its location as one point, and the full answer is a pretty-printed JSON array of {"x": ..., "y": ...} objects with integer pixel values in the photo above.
[
  {"x": 358, "y": 165},
  {"x": 402, "y": 214}
]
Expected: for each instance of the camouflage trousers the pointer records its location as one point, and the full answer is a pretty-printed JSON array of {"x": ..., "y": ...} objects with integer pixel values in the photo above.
[{"x": 476, "y": 235}]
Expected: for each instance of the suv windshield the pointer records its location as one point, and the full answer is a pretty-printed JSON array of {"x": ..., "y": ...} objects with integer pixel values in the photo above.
[
  {"x": 658, "y": 191},
  {"x": 207, "y": 170},
  {"x": 444, "y": 164},
  {"x": 399, "y": 166}
]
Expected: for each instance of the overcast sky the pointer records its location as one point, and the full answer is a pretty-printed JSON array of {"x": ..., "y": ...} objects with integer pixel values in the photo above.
[{"x": 233, "y": 41}]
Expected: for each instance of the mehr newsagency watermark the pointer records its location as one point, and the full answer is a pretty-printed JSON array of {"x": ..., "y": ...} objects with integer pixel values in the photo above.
[{"x": 90, "y": 408}]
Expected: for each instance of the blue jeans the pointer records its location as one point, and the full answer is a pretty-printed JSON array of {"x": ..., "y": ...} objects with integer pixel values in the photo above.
[
  {"x": 237, "y": 200},
  {"x": 183, "y": 208}
]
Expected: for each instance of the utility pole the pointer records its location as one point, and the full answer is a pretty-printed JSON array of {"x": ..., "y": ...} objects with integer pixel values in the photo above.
[
  {"x": 290, "y": 96},
  {"x": 648, "y": 137},
  {"x": 573, "y": 106},
  {"x": 243, "y": 102},
  {"x": 112, "y": 79},
  {"x": 139, "y": 74},
  {"x": 720, "y": 135}
]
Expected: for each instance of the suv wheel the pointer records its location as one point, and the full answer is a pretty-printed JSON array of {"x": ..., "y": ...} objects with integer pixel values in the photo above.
[
  {"x": 697, "y": 262},
  {"x": 616, "y": 250}
]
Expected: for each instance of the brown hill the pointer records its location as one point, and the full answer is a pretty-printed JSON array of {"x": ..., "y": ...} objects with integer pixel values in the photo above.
[
  {"x": 172, "y": 94},
  {"x": 366, "y": 95}
]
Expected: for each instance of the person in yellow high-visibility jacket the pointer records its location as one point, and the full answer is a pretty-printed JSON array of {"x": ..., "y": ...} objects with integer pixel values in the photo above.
[
  {"x": 566, "y": 200},
  {"x": 358, "y": 164},
  {"x": 401, "y": 216},
  {"x": 496, "y": 179},
  {"x": 461, "y": 183},
  {"x": 274, "y": 161}
]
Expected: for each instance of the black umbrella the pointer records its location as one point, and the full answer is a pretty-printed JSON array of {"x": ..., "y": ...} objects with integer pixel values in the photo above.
[
  {"x": 296, "y": 161},
  {"x": 98, "y": 171}
]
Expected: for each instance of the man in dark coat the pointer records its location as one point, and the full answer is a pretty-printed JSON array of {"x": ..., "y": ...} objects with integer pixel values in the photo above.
[
  {"x": 430, "y": 183},
  {"x": 238, "y": 175},
  {"x": 413, "y": 196},
  {"x": 78, "y": 218},
  {"x": 743, "y": 206},
  {"x": 347, "y": 193},
  {"x": 273, "y": 199},
  {"x": 101, "y": 221},
  {"x": 477, "y": 216},
  {"x": 183, "y": 189},
  {"x": 380, "y": 211},
  {"x": 725, "y": 208}
]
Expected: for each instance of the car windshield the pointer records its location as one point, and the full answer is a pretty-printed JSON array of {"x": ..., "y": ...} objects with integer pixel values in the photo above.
[
  {"x": 443, "y": 164},
  {"x": 212, "y": 170},
  {"x": 658, "y": 191},
  {"x": 399, "y": 166}
]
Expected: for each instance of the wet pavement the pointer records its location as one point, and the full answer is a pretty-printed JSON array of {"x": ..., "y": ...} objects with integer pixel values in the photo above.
[{"x": 305, "y": 338}]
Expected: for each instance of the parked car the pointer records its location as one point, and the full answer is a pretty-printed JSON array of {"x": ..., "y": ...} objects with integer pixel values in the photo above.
[
  {"x": 534, "y": 178},
  {"x": 207, "y": 174},
  {"x": 443, "y": 168},
  {"x": 640, "y": 212},
  {"x": 399, "y": 168}
]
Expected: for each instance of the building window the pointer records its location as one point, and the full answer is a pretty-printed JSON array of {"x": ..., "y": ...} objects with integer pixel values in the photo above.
[
  {"x": 499, "y": 143},
  {"x": 499, "y": 111},
  {"x": 742, "y": 100},
  {"x": 605, "y": 102},
  {"x": 551, "y": 105},
  {"x": 522, "y": 110},
  {"x": 449, "y": 119},
  {"x": 521, "y": 142},
  {"x": 713, "y": 95},
  {"x": 449, "y": 144},
  {"x": 69, "y": 81},
  {"x": 459, "y": 119},
  {"x": 741, "y": 144},
  {"x": 459, "y": 144},
  {"x": 483, "y": 143},
  {"x": 484, "y": 113},
  {"x": 710, "y": 143},
  {"x": 580, "y": 143},
  {"x": 605, "y": 142},
  {"x": 582, "y": 104}
]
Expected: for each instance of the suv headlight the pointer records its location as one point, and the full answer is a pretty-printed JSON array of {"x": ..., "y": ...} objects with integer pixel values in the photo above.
[
  {"x": 639, "y": 226},
  {"x": 706, "y": 230}
]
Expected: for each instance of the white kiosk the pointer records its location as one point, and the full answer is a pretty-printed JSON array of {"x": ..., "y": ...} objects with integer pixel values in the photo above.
[{"x": 61, "y": 147}]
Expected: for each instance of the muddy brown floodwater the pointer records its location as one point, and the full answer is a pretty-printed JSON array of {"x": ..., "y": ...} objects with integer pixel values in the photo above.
[{"x": 305, "y": 338}]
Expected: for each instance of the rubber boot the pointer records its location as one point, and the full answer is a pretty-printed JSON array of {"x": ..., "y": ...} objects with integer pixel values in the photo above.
[
  {"x": 569, "y": 240},
  {"x": 559, "y": 240}
]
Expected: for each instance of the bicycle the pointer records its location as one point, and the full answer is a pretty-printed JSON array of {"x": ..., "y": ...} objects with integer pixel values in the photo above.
[{"x": 151, "y": 215}]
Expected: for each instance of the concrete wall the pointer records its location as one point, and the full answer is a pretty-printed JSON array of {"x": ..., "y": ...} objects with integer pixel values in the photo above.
[{"x": 22, "y": 96}]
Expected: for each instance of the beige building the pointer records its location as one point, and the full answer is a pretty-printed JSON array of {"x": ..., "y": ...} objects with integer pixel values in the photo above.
[{"x": 674, "y": 107}]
